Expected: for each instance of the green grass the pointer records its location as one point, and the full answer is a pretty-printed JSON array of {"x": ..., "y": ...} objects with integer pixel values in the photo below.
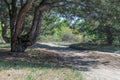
[
  {"x": 98, "y": 47},
  {"x": 34, "y": 65},
  {"x": 4, "y": 45}
]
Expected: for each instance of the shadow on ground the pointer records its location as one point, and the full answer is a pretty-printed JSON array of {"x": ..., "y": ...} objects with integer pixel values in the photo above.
[
  {"x": 29, "y": 59},
  {"x": 67, "y": 57},
  {"x": 96, "y": 47},
  {"x": 50, "y": 57}
]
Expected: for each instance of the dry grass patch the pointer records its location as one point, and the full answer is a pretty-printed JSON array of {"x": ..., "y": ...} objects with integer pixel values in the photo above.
[{"x": 34, "y": 65}]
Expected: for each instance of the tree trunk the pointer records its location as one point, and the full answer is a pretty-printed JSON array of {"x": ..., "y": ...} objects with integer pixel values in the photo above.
[
  {"x": 17, "y": 46},
  {"x": 17, "y": 18},
  {"x": 21, "y": 42},
  {"x": 109, "y": 34}
]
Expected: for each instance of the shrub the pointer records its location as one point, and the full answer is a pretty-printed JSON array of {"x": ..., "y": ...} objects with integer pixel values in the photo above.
[
  {"x": 49, "y": 38},
  {"x": 68, "y": 36}
]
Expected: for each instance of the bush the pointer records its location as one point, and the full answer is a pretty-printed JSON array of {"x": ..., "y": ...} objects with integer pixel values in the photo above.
[
  {"x": 48, "y": 38},
  {"x": 68, "y": 36}
]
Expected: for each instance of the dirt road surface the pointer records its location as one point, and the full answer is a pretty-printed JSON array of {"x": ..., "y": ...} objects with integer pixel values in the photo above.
[{"x": 94, "y": 65}]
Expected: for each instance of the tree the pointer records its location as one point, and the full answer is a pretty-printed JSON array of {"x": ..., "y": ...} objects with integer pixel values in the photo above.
[
  {"x": 18, "y": 10},
  {"x": 103, "y": 17},
  {"x": 106, "y": 13}
]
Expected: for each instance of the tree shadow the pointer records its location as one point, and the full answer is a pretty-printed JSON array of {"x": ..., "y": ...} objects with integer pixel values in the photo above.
[
  {"x": 84, "y": 63},
  {"x": 96, "y": 47},
  {"x": 29, "y": 59},
  {"x": 67, "y": 57},
  {"x": 40, "y": 59}
]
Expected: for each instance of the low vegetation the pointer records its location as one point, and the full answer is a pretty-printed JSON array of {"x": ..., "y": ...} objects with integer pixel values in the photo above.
[
  {"x": 34, "y": 65},
  {"x": 98, "y": 47}
]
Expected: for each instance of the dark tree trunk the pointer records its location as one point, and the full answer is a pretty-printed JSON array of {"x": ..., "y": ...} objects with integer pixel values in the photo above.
[
  {"x": 109, "y": 34},
  {"x": 20, "y": 42},
  {"x": 17, "y": 18},
  {"x": 17, "y": 46}
]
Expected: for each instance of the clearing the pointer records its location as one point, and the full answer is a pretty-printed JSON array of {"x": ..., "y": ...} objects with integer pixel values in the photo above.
[
  {"x": 94, "y": 65},
  {"x": 51, "y": 61}
]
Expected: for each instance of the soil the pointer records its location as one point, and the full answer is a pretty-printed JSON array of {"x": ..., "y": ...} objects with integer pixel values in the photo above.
[{"x": 94, "y": 65}]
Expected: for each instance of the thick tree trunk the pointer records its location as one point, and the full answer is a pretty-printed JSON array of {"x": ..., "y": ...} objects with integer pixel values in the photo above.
[
  {"x": 20, "y": 43},
  {"x": 17, "y": 18},
  {"x": 109, "y": 34},
  {"x": 17, "y": 46}
]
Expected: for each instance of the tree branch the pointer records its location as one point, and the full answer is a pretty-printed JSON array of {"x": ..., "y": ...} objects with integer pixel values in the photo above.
[
  {"x": 8, "y": 4},
  {"x": 47, "y": 5},
  {"x": 21, "y": 16},
  {"x": 21, "y": 2}
]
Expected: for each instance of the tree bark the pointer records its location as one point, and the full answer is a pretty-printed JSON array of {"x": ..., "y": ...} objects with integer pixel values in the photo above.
[
  {"x": 17, "y": 46},
  {"x": 17, "y": 14},
  {"x": 20, "y": 43},
  {"x": 17, "y": 43}
]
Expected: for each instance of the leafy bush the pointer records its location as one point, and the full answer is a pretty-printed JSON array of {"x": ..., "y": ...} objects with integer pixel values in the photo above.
[
  {"x": 60, "y": 32},
  {"x": 49, "y": 38},
  {"x": 68, "y": 36}
]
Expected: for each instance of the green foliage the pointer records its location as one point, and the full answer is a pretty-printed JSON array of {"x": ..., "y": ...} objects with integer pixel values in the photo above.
[
  {"x": 30, "y": 77},
  {"x": 74, "y": 76},
  {"x": 97, "y": 14},
  {"x": 96, "y": 33},
  {"x": 0, "y": 31},
  {"x": 54, "y": 28},
  {"x": 67, "y": 35},
  {"x": 4, "y": 45},
  {"x": 50, "y": 21},
  {"x": 49, "y": 38}
]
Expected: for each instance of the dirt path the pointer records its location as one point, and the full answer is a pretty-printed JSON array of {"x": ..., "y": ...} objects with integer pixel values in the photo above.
[{"x": 94, "y": 65}]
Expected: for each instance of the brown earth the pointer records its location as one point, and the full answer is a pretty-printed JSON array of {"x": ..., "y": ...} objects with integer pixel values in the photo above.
[{"x": 94, "y": 65}]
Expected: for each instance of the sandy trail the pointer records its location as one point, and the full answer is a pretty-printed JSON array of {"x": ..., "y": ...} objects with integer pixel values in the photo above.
[{"x": 94, "y": 65}]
